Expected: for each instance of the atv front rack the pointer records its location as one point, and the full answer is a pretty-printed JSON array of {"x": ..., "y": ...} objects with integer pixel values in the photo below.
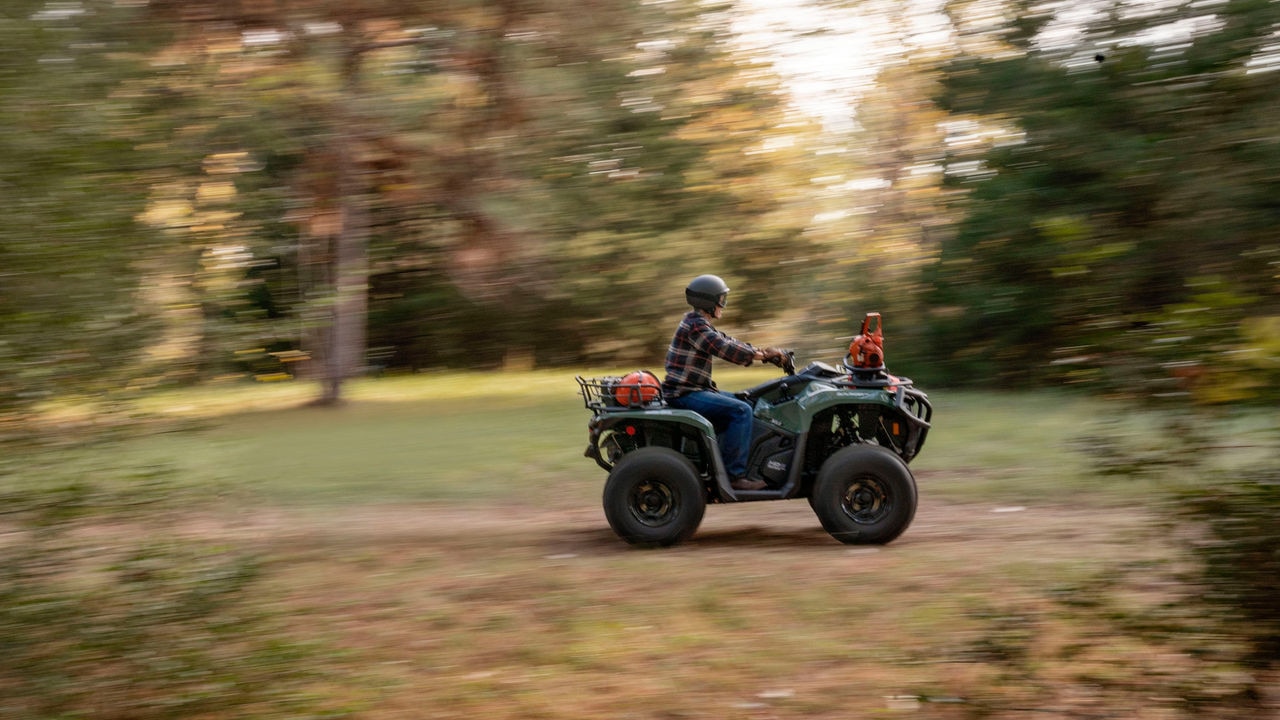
[{"x": 913, "y": 403}]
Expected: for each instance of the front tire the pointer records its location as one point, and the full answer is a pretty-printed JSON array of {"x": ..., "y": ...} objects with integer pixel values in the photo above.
[
  {"x": 653, "y": 497},
  {"x": 865, "y": 495}
]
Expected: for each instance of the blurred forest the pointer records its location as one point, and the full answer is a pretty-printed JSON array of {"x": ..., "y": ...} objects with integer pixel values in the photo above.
[{"x": 1031, "y": 193}]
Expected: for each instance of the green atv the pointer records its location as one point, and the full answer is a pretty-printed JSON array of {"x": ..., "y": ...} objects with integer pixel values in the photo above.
[{"x": 841, "y": 437}]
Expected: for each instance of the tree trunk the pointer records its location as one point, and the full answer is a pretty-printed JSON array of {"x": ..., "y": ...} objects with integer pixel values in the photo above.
[
  {"x": 344, "y": 343},
  {"x": 344, "y": 351}
]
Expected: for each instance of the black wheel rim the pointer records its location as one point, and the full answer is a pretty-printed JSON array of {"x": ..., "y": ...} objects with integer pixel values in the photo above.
[
  {"x": 653, "y": 503},
  {"x": 866, "y": 500}
]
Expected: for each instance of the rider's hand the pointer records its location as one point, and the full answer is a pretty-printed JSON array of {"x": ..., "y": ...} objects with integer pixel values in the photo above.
[{"x": 772, "y": 355}]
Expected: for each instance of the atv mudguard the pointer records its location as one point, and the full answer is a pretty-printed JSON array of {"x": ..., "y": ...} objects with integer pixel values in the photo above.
[
  {"x": 633, "y": 423},
  {"x": 682, "y": 430}
]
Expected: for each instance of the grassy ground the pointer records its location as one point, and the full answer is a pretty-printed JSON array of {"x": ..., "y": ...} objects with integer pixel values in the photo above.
[
  {"x": 442, "y": 537},
  {"x": 519, "y": 438}
]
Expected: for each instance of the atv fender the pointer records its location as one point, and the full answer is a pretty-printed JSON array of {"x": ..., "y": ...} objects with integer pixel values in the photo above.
[
  {"x": 631, "y": 423},
  {"x": 795, "y": 414},
  {"x": 608, "y": 420},
  {"x": 694, "y": 423}
]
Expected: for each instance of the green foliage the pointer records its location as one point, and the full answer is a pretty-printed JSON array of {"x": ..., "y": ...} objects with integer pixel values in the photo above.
[
  {"x": 1224, "y": 514},
  {"x": 532, "y": 184},
  {"x": 107, "y": 611},
  {"x": 70, "y": 188},
  {"x": 1118, "y": 241},
  {"x": 1241, "y": 555},
  {"x": 518, "y": 169}
]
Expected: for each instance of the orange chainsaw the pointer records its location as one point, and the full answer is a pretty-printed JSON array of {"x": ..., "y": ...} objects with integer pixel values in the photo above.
[{"x": 866, "y": 352}]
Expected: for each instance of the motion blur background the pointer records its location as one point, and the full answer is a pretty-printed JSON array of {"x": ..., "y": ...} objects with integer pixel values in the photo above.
[
  {"x": 1031, "y": 193},
  {"x": 218, "y": 211}
]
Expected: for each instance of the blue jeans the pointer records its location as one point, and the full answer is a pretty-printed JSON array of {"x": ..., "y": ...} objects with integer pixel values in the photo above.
[{"x": 730, "y": 417}]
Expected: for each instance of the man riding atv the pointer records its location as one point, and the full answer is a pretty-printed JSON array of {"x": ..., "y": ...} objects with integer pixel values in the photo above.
[
  {"x": 688, "y": 384},
  {"x": 840, "y": 436}
]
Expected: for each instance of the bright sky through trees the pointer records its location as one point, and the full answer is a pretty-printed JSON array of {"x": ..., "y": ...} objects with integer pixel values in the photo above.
[{"x": 827, "y": 56}]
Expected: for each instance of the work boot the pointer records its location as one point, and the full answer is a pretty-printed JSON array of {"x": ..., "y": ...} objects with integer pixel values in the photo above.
[{"x": 743, "y": 483}]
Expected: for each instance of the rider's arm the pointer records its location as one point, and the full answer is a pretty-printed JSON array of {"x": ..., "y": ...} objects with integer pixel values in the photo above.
[{"x": 713, "y": 342}]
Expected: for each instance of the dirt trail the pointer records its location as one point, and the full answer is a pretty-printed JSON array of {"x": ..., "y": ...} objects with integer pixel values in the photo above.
[
  {"x": 507, "y": 611},
  {"x": 980, "y": 528}
]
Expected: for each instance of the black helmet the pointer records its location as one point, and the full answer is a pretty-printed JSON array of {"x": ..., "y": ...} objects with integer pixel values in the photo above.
[{"x": 706, "y": 292}]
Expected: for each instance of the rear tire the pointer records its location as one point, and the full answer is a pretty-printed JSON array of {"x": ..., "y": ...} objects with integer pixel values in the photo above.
[
  {"x": 864, "y": 495},
  {"x": 653, "y": 497}
]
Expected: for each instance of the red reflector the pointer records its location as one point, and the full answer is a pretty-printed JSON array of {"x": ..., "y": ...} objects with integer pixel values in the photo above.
[
  {"x": 895, "y": 429},
  {"x": 631, "y": 429}
]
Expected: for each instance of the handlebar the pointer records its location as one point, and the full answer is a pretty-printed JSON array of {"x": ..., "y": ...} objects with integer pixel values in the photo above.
[{"x": 786, "y": 361}]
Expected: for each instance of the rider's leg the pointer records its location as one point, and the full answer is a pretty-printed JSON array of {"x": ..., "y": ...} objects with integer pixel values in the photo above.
[{"x": 731, "y": 418}]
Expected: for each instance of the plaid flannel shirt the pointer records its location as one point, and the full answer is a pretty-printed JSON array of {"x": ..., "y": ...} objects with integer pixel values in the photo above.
[{"x": 695, "y": 343}]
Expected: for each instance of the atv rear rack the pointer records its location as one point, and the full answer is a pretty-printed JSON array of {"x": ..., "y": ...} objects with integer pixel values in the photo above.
[{"x": 601, "y": 394}]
